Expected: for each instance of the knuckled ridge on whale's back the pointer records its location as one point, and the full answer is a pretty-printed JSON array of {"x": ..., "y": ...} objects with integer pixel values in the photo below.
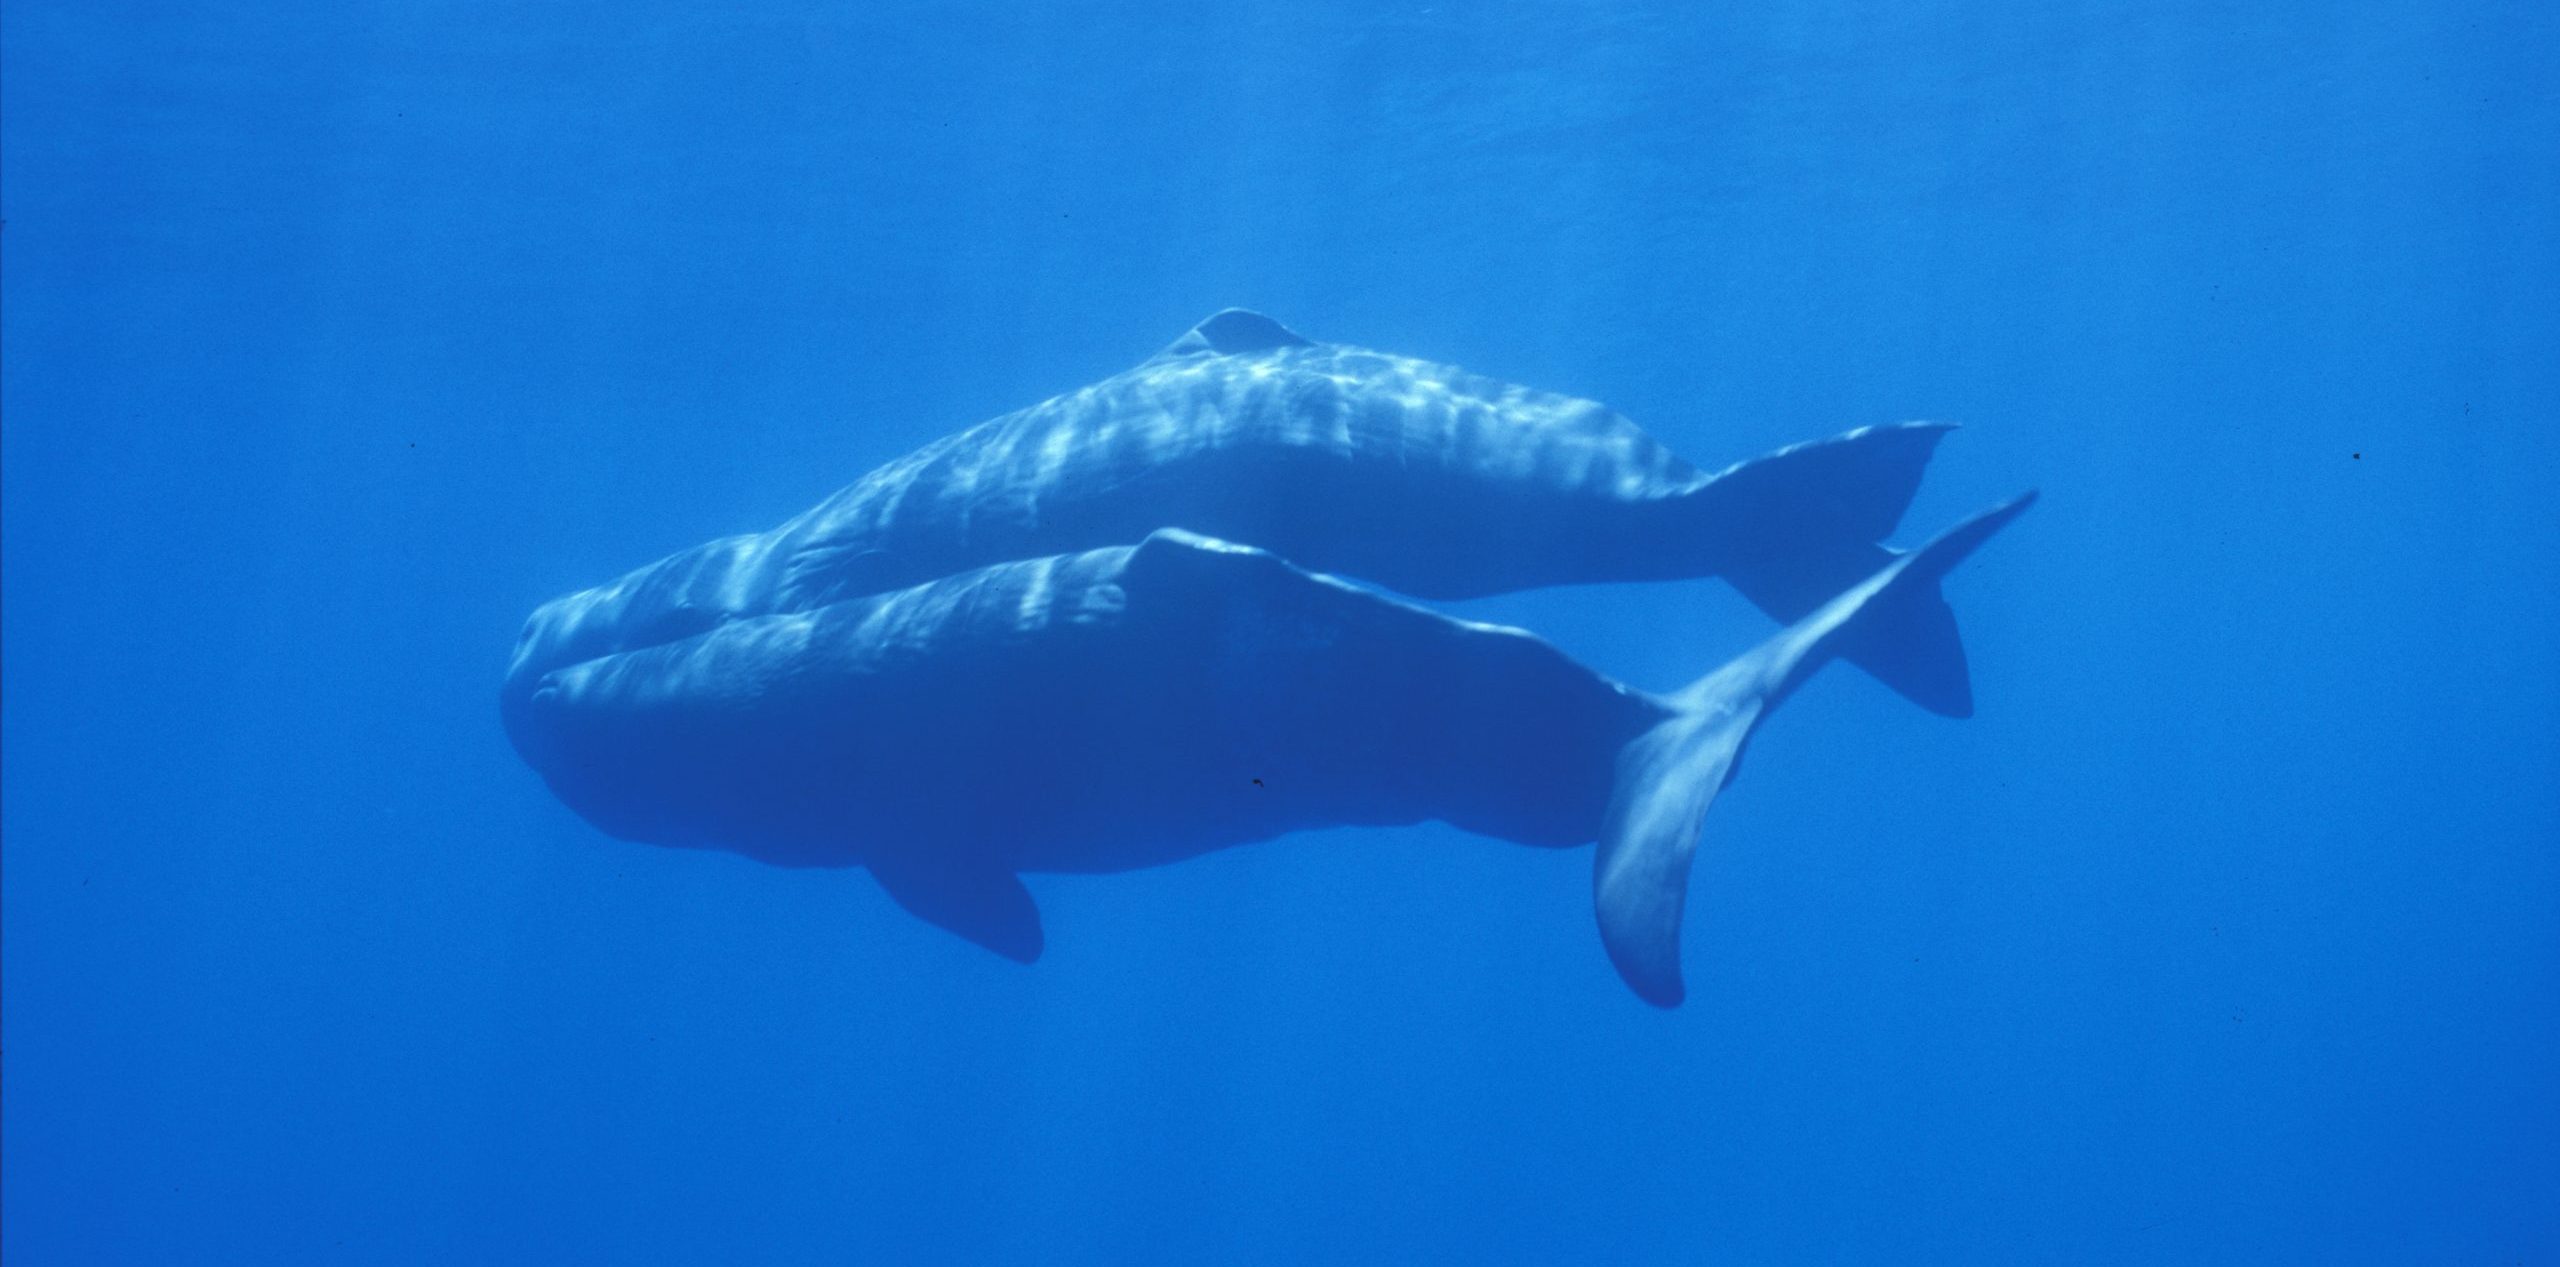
[{"x": 1232, "y": 332}]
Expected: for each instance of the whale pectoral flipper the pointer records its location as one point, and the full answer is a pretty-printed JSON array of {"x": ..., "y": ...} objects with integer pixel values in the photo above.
[
  {"x": 982, "y": 901},
  {"x": 1666, "y": 777}
]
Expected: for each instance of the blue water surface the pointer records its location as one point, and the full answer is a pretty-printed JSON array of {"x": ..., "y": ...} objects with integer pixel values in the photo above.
[{"x": 339, "y": 335}]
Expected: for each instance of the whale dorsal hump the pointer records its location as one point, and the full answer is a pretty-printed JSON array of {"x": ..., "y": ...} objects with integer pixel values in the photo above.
[{"x": 1232, "y": 332}]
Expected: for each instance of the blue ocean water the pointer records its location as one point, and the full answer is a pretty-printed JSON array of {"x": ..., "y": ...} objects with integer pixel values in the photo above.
[{"x": 335, "y": 337}]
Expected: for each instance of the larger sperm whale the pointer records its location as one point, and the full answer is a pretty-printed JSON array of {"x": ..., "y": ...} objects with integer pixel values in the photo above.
[
  {"x": 1135, "y": 705},
  {"x": 1416, "y": 476}
]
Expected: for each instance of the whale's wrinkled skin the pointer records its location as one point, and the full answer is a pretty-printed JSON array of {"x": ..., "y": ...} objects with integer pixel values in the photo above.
[
  {"x": 1418, "y": 477},
  {"x": 1136, "y": 704}
]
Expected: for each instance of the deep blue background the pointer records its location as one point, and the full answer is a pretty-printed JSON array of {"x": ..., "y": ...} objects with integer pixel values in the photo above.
[{"x": 338, "y": 335}]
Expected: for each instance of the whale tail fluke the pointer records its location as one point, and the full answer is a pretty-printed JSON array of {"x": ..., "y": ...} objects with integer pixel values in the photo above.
[
  {"x": 1808, "y": 518},
  {"x": 1666, "y": 778}
]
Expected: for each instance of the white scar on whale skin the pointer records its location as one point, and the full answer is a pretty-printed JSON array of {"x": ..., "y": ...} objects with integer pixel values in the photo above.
[
  {"x": 1131, "y": 706},
  {"x": 1420, "y": 477}
]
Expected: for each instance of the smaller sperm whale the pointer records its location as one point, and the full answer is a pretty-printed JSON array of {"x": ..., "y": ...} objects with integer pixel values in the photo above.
[
  {"x": 1420, "y": 477},
  {"x": 1136, "y": 705}
]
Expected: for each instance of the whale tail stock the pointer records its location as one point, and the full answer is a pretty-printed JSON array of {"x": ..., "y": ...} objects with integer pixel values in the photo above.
[
  {"x": 1804, "y": 523},
  {"x": 1667, "y": 777}
]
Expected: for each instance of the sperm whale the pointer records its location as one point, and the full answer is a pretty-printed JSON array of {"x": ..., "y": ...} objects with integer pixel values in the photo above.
[
  {"x": 1138, "y": 704},
  {"x": 1420, "y": 477}
]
